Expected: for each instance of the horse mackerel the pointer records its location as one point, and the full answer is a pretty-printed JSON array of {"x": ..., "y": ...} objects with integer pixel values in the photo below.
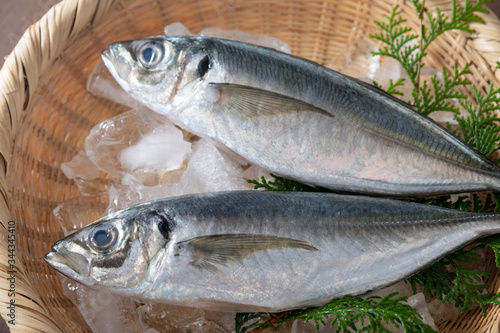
[
  {"x": 262, "y": 251},
  {"x": 296, "y": 118}
]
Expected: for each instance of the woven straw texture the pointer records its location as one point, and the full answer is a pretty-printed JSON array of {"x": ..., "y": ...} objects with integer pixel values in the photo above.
[{"x": 46, "y": 113}]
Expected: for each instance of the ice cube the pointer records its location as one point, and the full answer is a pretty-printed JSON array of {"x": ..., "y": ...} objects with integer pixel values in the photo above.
[
  {"x": 208, "y": 171},
  {"x": 391, "y": 69},
  {"x": 246, "y": 37},
  {"x": 80, "y": 167},
  {"x": 133, "y": 192},
  {"x": 101, "y": 84},
  {"x": 223, "y": 319},
  {"x": 123, "y": 196},
  {"x": 162, "y": 149},
  {"x": 110, "y": 144},
  {"x": 177, "y": 29},
  {"x": 356, "y": 60},
  {"x": 211, "y": 327},
  {"x": 94, "y": 186},
  {"x": 86, "y": 175},
  {"x": 255, "y": 172},
  {"x": 442, "y": 312},
  {"x": 102, "y": 311},
  {"x": 170, "y": 318},
  {"x": 402, "y": 288},
  {"x": 444, "y": 117},
  {"x": 76, "y": 212},
  {"x": 418, "y": 303}
]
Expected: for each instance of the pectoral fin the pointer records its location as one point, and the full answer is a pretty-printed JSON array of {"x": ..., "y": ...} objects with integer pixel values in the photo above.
[
  {"x": 247, "y": 102},
  {"x": 206, "y": 251}
]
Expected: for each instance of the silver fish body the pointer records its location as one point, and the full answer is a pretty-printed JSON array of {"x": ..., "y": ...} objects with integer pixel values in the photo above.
[
  {"x": 296, "y": 118},
  {"x": 262, "y": 251}
]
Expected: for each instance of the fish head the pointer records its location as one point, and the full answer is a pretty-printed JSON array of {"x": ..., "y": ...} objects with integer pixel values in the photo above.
[
  {"x": 113, "y": 253},
  {"x": 154, "y": 69}
]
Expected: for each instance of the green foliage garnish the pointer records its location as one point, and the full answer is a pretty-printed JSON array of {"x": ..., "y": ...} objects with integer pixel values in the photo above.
[
  {"x": 242, "y": 318},
  {"x": 494, "y": 243},
  {"x": 460, "y": 285},
  {"x": 409, "y": 49},
  {"x": 392, "y": 89},
  {"x": 440, "y": 97},
  {"x": 463, "y": 203},
  {"x": 369, "y": 314},
  {"x": 399, "y": 38},
  {"x": 279, "y": 184},
  {"x": 479, "y": 128}
]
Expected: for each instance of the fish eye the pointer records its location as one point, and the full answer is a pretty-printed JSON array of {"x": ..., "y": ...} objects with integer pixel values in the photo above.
[
  {"x": 150, "y": 54},
  {"x": 103, "y": 237}
]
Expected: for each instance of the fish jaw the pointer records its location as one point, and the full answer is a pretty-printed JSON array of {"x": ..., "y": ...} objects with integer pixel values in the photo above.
[
  {"x": 73, "y": 265},
  {"x": 117, "y": 59}
]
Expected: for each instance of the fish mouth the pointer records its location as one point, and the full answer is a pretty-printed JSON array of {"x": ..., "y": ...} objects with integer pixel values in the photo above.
[
  {"x": 105, "y": 54},
  {"x": 116, "y": 63},
  {"x": 73, "y": 265}
]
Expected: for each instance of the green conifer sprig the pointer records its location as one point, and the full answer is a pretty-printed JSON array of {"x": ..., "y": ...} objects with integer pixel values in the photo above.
[
  {"x": 242, "y": 319},
  {"x": 494, "y": 243},
  {"x": 392, "y": 88},
  {"x": 398, "y": 39},
  {"x": 369, "y": 314},
  {"x": 372, "y": 314},
  {"x": 479, "y": 128},
  {"x": 279, "y": 184},
  {"x": 487, "y": 204},
  {"x": 440, "y": 22},
  {"x": 440, "y": 95}
]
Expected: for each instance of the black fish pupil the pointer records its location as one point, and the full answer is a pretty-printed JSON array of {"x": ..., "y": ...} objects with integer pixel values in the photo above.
[
  {"x": 203, "y": 66},
  {"x": 102, "y": 238}
]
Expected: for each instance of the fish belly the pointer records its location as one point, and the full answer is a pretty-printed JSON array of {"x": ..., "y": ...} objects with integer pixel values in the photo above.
[{"x": 332, "y": 152}]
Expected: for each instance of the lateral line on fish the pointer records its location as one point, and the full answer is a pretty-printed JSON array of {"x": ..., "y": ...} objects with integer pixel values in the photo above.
[{"x": 447, "y": 220}]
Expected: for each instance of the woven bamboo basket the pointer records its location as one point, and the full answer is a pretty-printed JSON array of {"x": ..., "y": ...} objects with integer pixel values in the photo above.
[{"x": 46, "y": 113}]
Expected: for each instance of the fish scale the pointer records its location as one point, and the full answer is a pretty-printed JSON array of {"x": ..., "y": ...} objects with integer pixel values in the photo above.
[{"x": 285, "y": 250}]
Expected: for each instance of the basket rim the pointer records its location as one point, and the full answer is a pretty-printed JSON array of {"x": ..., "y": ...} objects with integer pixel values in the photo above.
[{"x": 37, "y": 49}]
